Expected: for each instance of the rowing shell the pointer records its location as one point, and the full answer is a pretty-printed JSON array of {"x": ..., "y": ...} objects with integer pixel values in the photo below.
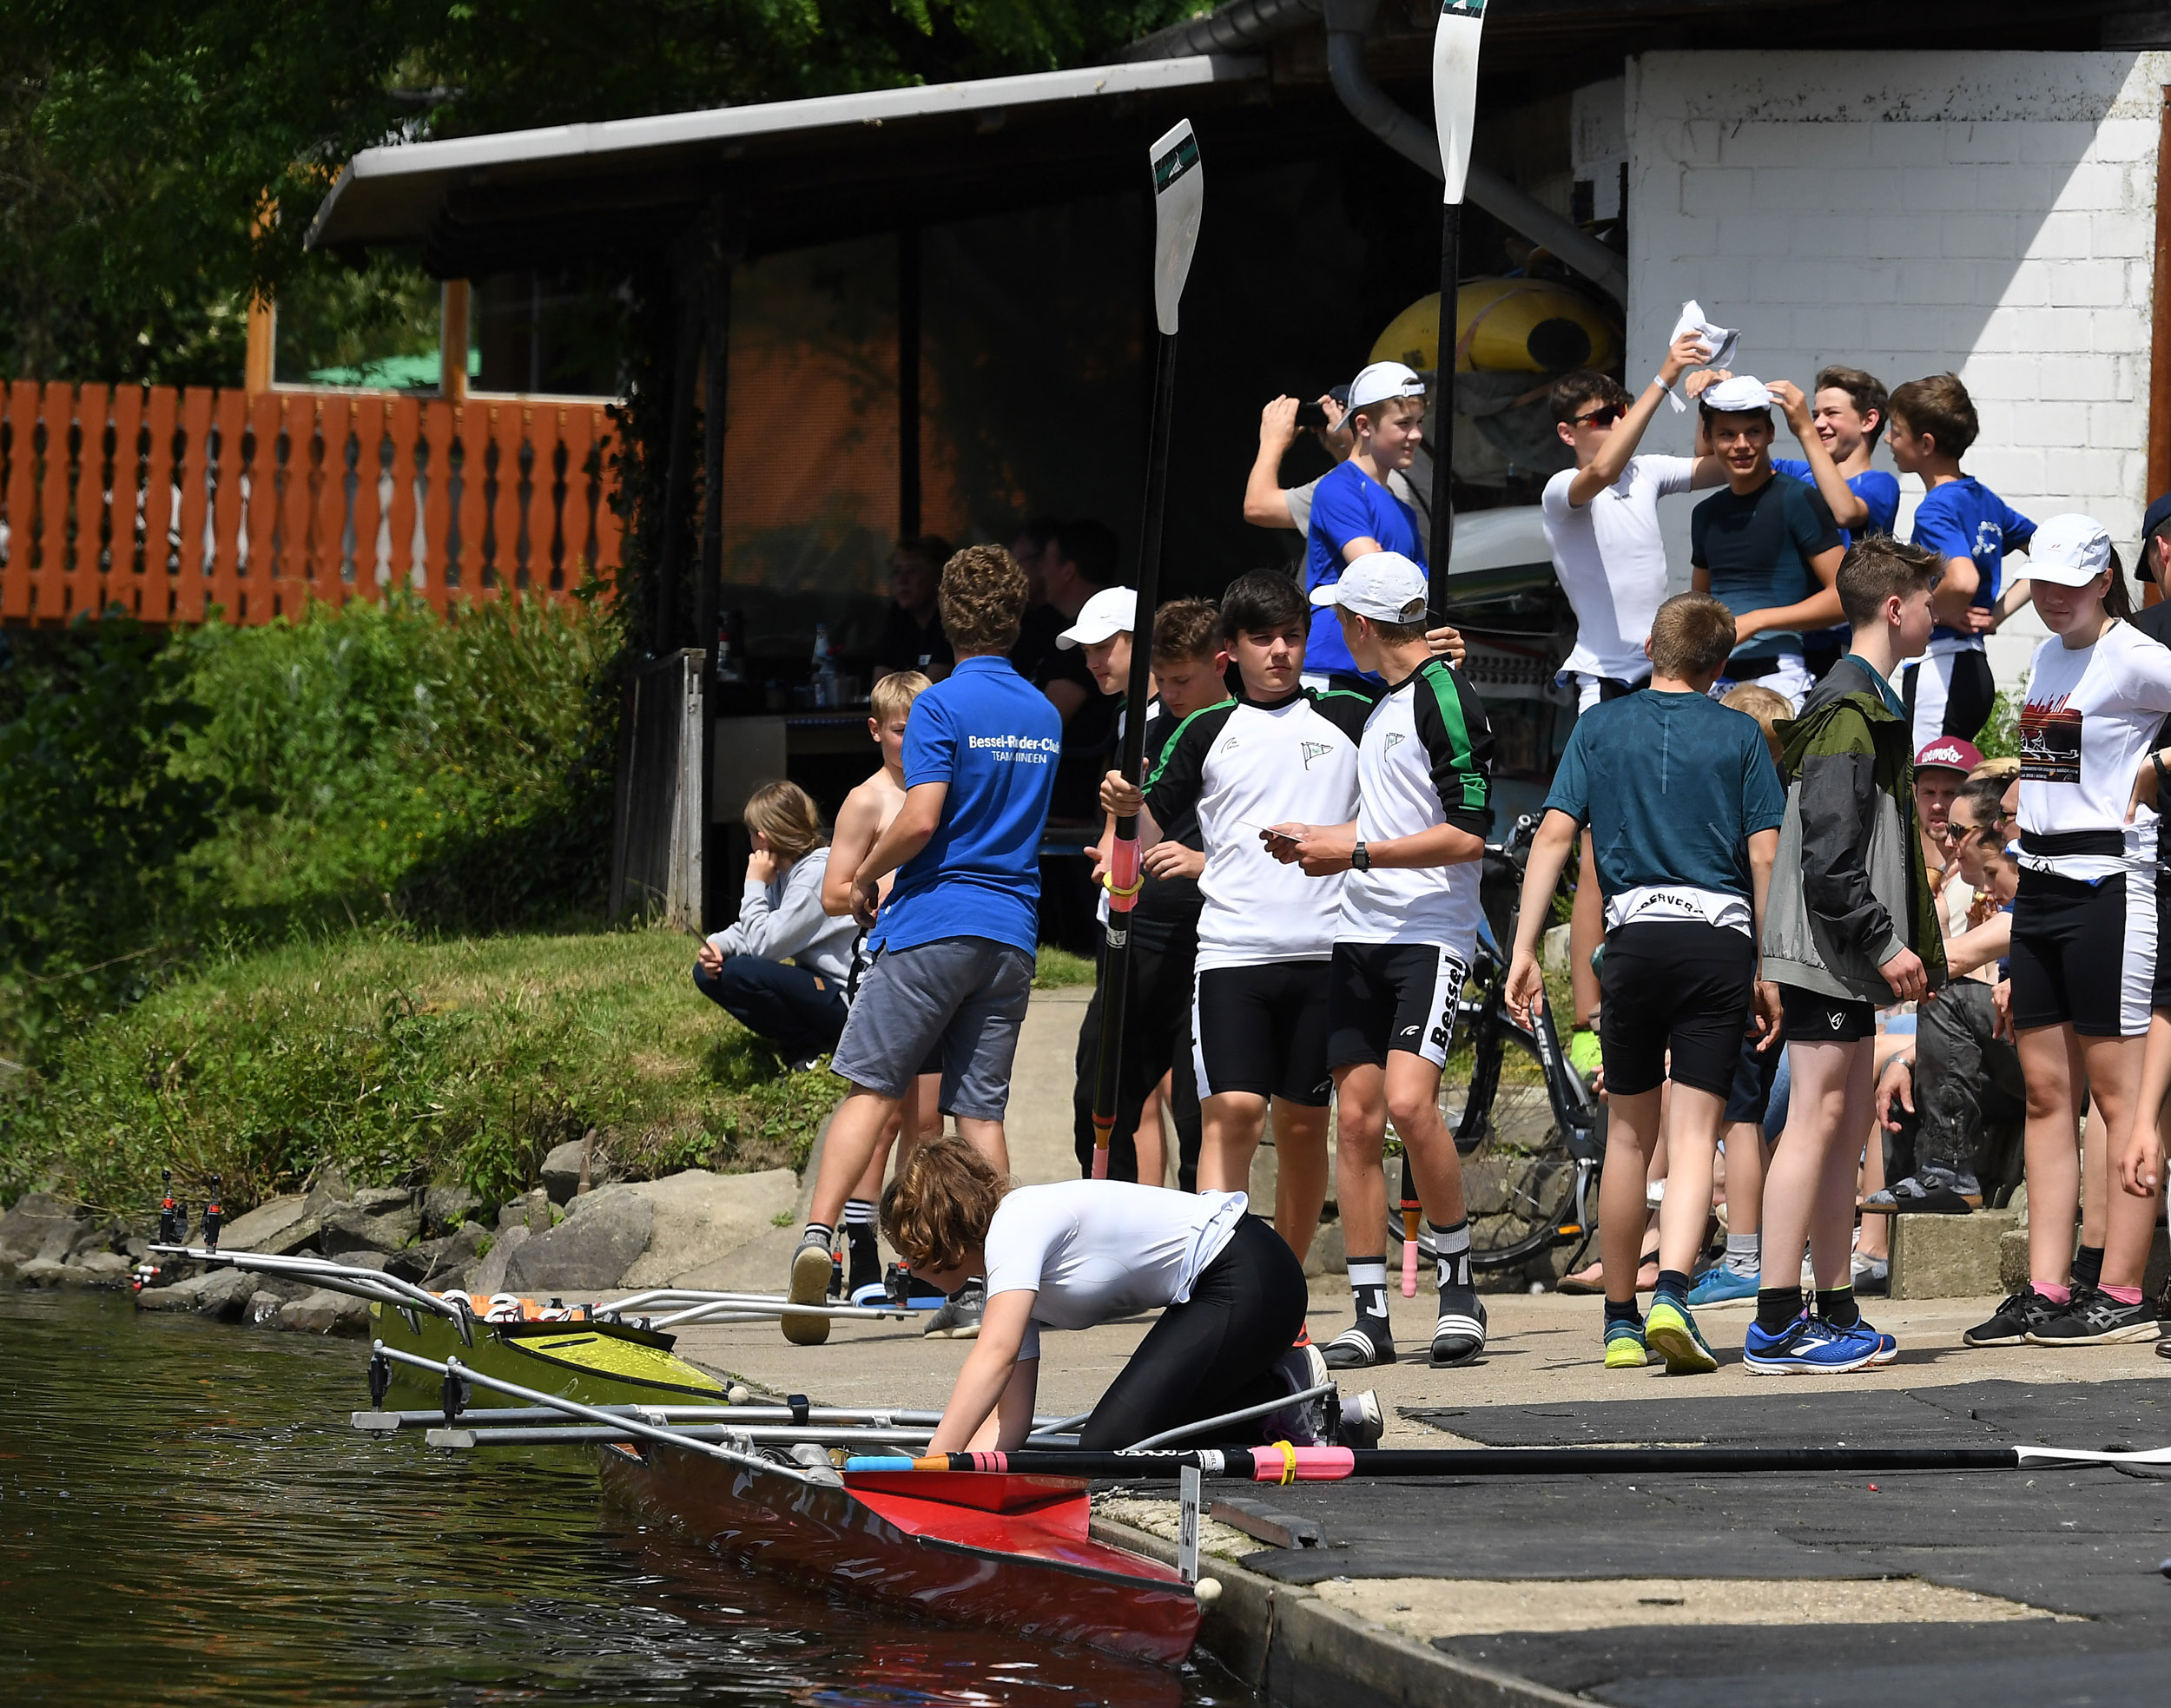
[
  {"x": 1012, "y": 1552},
  {"x": 597, "y": 1363}
]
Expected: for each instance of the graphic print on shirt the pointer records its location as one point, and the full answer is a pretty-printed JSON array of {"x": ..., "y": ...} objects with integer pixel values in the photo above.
[{"x": 2051, "y": 736}]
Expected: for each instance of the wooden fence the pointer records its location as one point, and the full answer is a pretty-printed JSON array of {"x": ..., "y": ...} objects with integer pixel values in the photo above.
[{"x": 169, "y": 503}]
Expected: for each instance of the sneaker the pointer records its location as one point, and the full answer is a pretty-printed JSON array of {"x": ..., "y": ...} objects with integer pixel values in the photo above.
[
  {"x": 959, "y": 1319},
  {"x": 810, "y": 1268},
  {"x": 1673, "y": 1334},
  {"x": 1887, "y": 1347},
  {"x": 2097, "y": 1319},
  {"x": 2023, "y": 1312},
  {"x": 1722, "y": 1286},
  {"x": 1363, "y": 1421},
  {"x": 1930, "y": 1191},
  {"x": 805, "y": 1065},
  {"x": 1625, "y": 1348},
  {"x": 1808, "y": 1348},
  {"x": 1459, "y": 1337},
  {"x": 871, "y": 1295},
  {"x": 1300, "y": 1422},
  {"x": 1358, "y": 1348}
]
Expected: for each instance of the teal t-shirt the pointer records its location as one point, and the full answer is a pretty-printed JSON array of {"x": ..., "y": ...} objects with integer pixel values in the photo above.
[{"x": 1757, "y": 547}]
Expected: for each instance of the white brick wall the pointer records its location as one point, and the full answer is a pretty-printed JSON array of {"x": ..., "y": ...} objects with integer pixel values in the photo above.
[{"x": 1992, "y": 214}]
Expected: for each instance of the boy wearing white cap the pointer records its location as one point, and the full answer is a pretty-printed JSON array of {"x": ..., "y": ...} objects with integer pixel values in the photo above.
[
  {"x": 1766, "y": 549},
  {"x": 1353, "y": 513},
  {"x": 1403, "y": 948}
]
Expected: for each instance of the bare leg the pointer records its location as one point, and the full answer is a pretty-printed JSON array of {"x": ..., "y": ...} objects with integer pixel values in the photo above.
[
  {"x": 1795, "y": 1184},
  {"x": 2050, "y": 1063},
  {"x": 1149, "y": 1141},
  {"x": 2114, "y": 1071},
  {"x": 1413, "y": 1103},
  {"x": 2096, "y": 1169},
  {"x": 987, "y": 1137},
  {"x": 1831, "y": 1225},
  {"x": 1693, "y": 1118},
  {"x": 1632, "y": 1134},
  {"x": 1300, "y": 1156},
  {"x": 1231, "y": 1123},
  {"x": 1877, "y": 1230},
  {"x": 1745, "y": 1177},
  {"x": 1360, "y": 1137},
  {"x": 1587, "y": 928},
  {"x": 854, "y": 1131}
]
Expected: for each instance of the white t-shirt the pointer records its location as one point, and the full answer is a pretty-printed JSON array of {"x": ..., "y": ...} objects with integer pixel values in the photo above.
[
  {"x": 2091, "y": 716},
  {"x": 1612, "y": 563},
  {"x": 1096, "y": 1249}
]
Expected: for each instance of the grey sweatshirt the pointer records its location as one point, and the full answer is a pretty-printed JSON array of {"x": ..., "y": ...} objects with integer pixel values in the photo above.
[{"x": 783, "y": 920}]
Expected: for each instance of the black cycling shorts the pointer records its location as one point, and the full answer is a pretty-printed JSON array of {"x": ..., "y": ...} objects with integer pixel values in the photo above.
[
  {"x": 1263, "y": 1029},
  {"x": 1815, "y": 1017},
  {"x": 1680, "y": 986},
  {"x": 1754, "y": 1070},
  {"x": 2084, "y": 954},
  {"x": 1393, "y": 996}
]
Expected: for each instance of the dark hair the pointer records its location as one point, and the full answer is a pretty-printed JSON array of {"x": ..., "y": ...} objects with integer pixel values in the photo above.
[
  {"x": 1571, "y": 391},
  {"x": 2118, "y": 598},
  {"x": 1040, "y": 530},
  {"x": 1692, "y": 636},
  {"x": 1878, "y": 568},
  {"x": 930, "y": 549},
  {"x": 1986, "y": 805},
  {"x": 1864, "y": 391},
  {"x": 1092, "y": 547},
  {"x": 1186, "y": 629},
  {"x": 1707, "y": 414},
  {"x": 982, "y": 599},
  {"x": 938, "y": 1206},
  {"x": 1940, "y": 407},
  {"x": 1260, "y": 600}
]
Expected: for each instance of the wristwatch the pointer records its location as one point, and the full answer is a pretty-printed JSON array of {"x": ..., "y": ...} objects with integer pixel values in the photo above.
[{"x": 1360, "y": 859}]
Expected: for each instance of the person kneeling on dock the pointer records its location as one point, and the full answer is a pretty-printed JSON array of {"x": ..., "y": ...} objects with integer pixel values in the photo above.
[{"x": 1082, "y": 1252}]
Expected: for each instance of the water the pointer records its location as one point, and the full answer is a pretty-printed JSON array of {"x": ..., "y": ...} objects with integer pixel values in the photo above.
[{"x": 186, "y": 1517}]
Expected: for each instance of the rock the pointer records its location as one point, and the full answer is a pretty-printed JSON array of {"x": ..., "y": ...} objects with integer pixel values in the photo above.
[
  {"x": 108, "y": 1266},
  {"x": 759, "y": 1266},
  {"x": 489, "y": 1276},
  {"x": 531, "y": 1211},
  {"x": 349, "y": 1228},
  {"x": 592, "y": 1250},
  {"x": 382, "y": 1200},
  {"x": 60, "y": 1241},
  {"x": 700, "y": 1218},
  {"x": 330, "y": 1187},
  {"x": 446, "y": 1208},
  {"x": 452, "y": 1257},
  {"x": 276, "y": 1227},
  {"x": 41, "y": 1272},
  {"x": 1329, "y": 1253},
  {"x": 218, "y": 1292},
  {"x": 98, "y": 1237},
  {"x": 561, "y": 1170},
  {"x": 23, "y": 1229},
  {"x": 1949, "y": 1256},
  {"x": 366, "y": 1260},
  {"x": 325, "y": 1313},
  {"x": 262, "y": 1309}
]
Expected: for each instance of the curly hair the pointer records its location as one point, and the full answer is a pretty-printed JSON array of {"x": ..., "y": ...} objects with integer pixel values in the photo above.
[
  {"x": 982, "y": 599},
  {"x": 938, "y": 1206}
]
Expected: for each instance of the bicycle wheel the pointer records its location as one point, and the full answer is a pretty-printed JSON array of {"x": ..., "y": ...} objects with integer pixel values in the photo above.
[{"x": 1518, "y": 1177}]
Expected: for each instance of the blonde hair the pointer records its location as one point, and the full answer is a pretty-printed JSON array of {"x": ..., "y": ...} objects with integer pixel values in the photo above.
[
  {"x": 786, "y": 815},
  {"x": 2004, "y": 769},
  {"x": 892, "y": 695},
  {"x": 940, "y": 1203},
  {"x": 1767, "y": 705}
]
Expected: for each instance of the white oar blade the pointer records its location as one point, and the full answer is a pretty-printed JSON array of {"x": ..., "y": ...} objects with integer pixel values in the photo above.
[
  {"x": 1455, "y": 89},
  {"x": 2063, "y": 1456},
  {"x": 1179, "y": 197}
]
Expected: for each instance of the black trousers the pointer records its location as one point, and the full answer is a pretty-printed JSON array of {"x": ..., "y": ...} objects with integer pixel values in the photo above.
[
  {"x": 1968, "y": 1093},
  {"x": 1214, "y": 1353},
  {"x": 1157, "y": 1041}
]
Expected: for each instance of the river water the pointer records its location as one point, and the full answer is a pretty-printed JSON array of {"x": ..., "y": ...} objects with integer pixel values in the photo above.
[{"x": 185, "y": 1517}]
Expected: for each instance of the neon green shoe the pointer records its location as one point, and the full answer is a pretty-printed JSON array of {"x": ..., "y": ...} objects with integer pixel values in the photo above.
[
  {"x": 1584, "y": 1054},
  {"x": 1624, "y": 1346},
  {"x": 1674, "y": 1334}
]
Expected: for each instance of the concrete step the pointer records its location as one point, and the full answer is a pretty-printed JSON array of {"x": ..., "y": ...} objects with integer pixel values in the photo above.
[{"x": 1982, "y": 1255}]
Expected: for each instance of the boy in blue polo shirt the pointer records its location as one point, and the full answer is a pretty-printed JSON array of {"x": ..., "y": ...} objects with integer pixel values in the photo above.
[
  {"x": 1353, "y": 513},
  {"x": 954, "y": 941}
]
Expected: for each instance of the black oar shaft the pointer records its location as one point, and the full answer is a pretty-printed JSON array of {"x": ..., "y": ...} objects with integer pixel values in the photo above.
[
  {"x": 1443, "y": 411},
  {"x": 1453, "y": 1462}
]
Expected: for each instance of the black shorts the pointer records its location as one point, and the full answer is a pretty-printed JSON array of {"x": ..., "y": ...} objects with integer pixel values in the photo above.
[
  {"x": 1813, "y": 1018},
  {"x": 1676, "y": 985},
  {"x": 1754, "y": 1070},
  {"x": 2084, "y": 954},
  {"x": 1264, "y": 1030},
  {"x": 1393, "y": 996}
]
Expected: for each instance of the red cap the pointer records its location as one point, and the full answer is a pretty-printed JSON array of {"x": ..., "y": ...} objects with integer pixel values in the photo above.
[{"x": 1948, "y": 752}]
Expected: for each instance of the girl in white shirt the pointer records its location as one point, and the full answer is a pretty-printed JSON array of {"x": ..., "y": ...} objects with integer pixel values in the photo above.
[{"x": 1081, "y": 1252}]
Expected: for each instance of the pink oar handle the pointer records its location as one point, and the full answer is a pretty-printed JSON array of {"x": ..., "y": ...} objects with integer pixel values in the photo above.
[
  {"x": 1284, "y": 1463},
  {"x": 1409, "y": 1254}
]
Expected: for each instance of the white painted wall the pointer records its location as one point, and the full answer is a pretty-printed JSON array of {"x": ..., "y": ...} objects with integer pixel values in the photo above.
[{"x": 1908, "y": 213}]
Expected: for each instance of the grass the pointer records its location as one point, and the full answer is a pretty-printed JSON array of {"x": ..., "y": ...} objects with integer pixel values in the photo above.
[{"x": 1058, "y": 968}]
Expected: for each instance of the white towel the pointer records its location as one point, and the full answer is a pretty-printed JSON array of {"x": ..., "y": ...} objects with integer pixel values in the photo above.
[{"x": 1719, "y": 343}]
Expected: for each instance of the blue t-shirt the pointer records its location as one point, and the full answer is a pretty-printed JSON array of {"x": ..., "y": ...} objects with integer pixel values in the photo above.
[
  {"x": 1964, "y": 519},
  {"x": 1672, "y": 787},
  {"x": 995, "y": 739},
  {"x": 1348, "y": 504},
  {"x": 1874, "y": 487}
]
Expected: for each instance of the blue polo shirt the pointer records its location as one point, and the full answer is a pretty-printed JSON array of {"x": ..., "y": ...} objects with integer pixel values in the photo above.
[
  {"x": 1348, "y": 504},
  {"x": 1876, "y": 488},
  {"x": 995, "y": 739},
  {"x": 1964, "y": 519}
]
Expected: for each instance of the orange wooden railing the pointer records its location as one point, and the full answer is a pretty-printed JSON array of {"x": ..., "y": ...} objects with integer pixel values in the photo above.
[{"x": 168, "y": 503}]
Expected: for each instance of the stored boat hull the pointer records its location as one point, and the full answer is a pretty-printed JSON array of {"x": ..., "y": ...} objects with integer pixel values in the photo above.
[
  {"x": 595, "y": 1363},
  {"x": 1017, "y": 1556}
]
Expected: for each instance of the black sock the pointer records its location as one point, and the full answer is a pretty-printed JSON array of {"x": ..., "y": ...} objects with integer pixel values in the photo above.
[
  {"x": 1672, "y": 1284},
  {"x": 1777, "y": 1308},
  {"x": 2087, "y": 1266},
  {"x": 1626, "y": 1311},
  {"x": 1837, "y": 1306},
  {"x": 859, "y": 1244},
  {"x": 1451, "y": 1245}
]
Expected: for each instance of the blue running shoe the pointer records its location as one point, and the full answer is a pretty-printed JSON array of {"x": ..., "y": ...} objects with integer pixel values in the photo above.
[
  {"x": 1809, "y": 1347},
  {"x": 1720, "y": 1285},
  {"x": 1887, "y": 1347}
]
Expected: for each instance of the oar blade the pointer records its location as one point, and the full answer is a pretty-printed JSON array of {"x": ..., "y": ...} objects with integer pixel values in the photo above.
[
  {"x": 1455, "y": 43},
  {"x": 1179, "y": 200}
]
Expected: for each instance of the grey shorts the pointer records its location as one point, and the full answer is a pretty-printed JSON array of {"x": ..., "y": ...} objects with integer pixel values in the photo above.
[{"x": 961, "y": 998}]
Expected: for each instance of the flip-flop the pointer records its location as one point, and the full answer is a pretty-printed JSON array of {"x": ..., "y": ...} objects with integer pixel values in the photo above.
[{"x": 1577, "y": 1284}]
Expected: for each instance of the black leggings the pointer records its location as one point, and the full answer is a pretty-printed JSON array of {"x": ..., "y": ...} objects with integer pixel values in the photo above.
[{"x": 1214, "y": 1353}]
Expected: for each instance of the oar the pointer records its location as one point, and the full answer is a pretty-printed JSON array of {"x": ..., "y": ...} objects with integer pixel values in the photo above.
[
  {"x": 1179, "y": 197},
  {"x": 1454, "y": 42},
  {"x": 379, "y": 1422},
  {"x": 1413, "y": 1206},
  {"x": 347, "y": 1278},
  {"x": 1326, "y": 1464}
]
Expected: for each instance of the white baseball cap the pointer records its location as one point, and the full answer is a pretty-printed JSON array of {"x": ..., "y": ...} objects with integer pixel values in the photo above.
[
  {"x": 1111, "y": 612},
  {"x": 1383, "y": 585},
  {"x": 1384, "y": 380},
  {"x": 1744, "y": 395},
  {"x": 2069, "y": 550}
]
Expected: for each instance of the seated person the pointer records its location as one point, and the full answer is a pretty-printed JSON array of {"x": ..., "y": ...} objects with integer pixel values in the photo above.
[
  {"x": 1082, "y": 1252},
  {"x": 911, "y": 634},
  {"x": 799, "y": 1008}
]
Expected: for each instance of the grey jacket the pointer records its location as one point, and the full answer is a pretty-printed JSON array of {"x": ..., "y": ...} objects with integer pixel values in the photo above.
[{"x": 783, "y": 920}]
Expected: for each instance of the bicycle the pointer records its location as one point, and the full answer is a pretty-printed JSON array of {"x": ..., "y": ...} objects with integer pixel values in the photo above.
[{"x": 1528, "y": 1131}]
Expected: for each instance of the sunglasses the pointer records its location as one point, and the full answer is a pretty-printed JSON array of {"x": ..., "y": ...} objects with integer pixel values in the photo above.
[{"x": 1601, "y": 418}]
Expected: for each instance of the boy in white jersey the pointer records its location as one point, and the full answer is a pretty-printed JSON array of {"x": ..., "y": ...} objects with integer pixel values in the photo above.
[
  {"x": 1262, "y": 1006},
  {"x": 1409, "y": 922}
]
